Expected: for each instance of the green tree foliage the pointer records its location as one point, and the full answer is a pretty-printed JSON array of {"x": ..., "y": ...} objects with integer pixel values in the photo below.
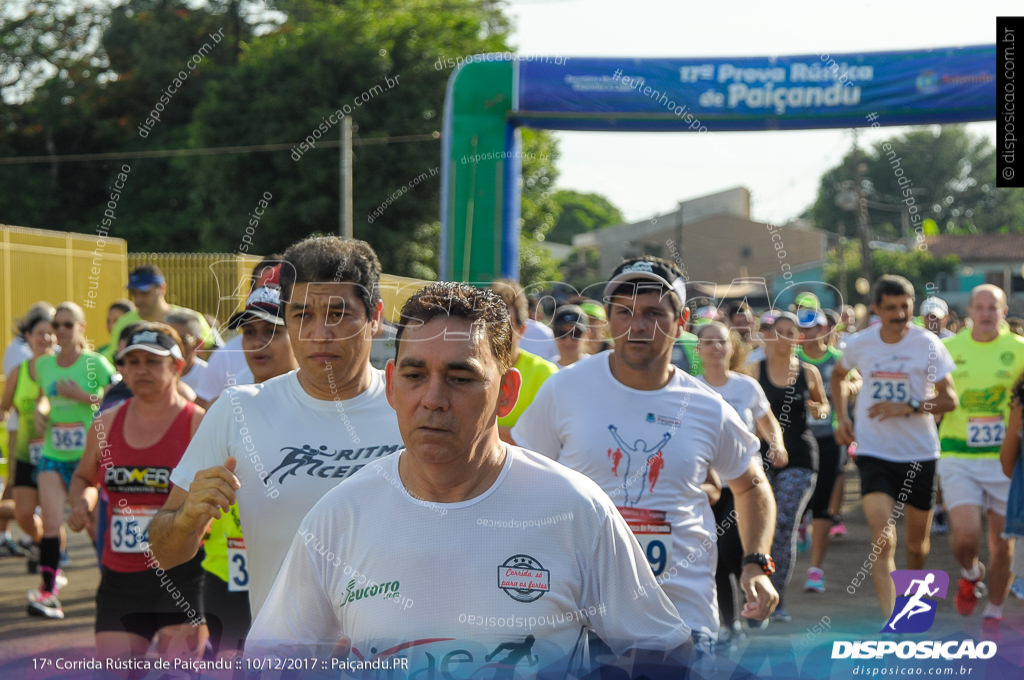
[
  {"x": 579, "y": 213},
  {"x": 941, "y": 173},
  {"x": 918, "y": 266},
  {"x": 539, "y": 209}
]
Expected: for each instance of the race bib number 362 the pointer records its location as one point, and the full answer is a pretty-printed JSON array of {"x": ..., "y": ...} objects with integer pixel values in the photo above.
[{"x": 68, "y": 436}]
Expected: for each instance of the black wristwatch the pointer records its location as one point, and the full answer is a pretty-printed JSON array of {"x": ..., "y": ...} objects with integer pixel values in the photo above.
[
  {"x": 764, "y": 561},
  {"x": 915, "y": 404}
]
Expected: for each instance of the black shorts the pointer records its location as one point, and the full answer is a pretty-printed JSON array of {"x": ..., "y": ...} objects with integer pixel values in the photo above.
[
  {"x": 23, "y": 474},
  {"x": 227, "y": 614},
  {"x": 911, "y": 483},
  {"x": 143, "y": 602}
]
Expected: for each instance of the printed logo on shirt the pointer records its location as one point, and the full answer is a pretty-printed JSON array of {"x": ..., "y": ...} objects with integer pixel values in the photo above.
[
  {"x": 523, "y": 578},
  {"x": 988, "y": 400},
  {"x": 662, "y": 420},
  {"x": 131, "y": 479},
  {"x": 386, "y": 591},
  {"x": 316, "y": 462},
  {"x": 641, "y": 465},
  {"x": 1006, "y": 358}
]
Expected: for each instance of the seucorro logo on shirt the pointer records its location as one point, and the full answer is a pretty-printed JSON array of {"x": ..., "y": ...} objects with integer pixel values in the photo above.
[{"x": 387, "y": 591}]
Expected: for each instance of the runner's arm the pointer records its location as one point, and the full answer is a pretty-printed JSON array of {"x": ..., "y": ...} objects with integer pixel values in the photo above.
[
  {"x": 755, "y": 519},
  {"x": 82, "y": 496},
  {"x": 770, "y": 431},
  {"x": 838, "y": 386},
  {"x": 819, "y": 400},
  {"x": 945, "y": 399},
  {"x": 178, "y": 528},
  {"x": 1009, "y": 452},
  {"x": 7, "y": 400}
]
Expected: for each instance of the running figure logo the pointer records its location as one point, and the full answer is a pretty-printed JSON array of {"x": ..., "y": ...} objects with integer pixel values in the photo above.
[
  {"x": 914, "y": 613},
  {"x": 649, "y": 459}
]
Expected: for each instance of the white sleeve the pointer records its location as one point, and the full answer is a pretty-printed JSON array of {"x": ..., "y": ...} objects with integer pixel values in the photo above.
[
  {"x": 209, "y": 447},
  {"x": 632, "y": 611},
  {"x": 737, "y": 446},
  {"x": 537, "y": 427},
  {"x": 214, "y": 378},
  {"x": 298, "y": 618},
  {"x": 761, "y": 407}
]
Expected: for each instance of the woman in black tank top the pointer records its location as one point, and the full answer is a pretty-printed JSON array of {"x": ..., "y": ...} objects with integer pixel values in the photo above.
[{"x": 793, "y": 389}]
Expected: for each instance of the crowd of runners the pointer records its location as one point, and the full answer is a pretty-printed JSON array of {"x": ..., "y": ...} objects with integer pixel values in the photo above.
[{"x": 642, "y": 481}]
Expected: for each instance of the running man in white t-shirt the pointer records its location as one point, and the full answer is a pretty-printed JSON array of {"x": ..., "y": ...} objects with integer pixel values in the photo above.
[
  {"x": 460, "y": 549},
  {"x": 648, "y": 434},
  {"x": 907, "y": 382},
  {"x": 278, "y": 446}
]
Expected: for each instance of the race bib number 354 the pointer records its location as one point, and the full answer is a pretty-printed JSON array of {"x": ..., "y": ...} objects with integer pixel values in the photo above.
[{"x": 129, "y": 529}]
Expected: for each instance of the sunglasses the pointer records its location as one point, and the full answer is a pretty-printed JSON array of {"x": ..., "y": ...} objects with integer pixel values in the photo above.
[{"x": 64, "y": 324}]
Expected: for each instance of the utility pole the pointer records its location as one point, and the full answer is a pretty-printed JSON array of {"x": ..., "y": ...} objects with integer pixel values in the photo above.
[
  {"x": 863, "y": 226},
  {"x": 345, "y": 180}
]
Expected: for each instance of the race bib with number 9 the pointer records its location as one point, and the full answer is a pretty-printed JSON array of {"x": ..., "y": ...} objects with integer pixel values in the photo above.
[
  {"x": 653, "y": 533},
  {"x": 238, "y": 571},
  {"x": 889, "y": 386},
  {"x": 985, "y": 431},
  {"x": 129, "y": 529},
  {"x": 68, "y": 436}
]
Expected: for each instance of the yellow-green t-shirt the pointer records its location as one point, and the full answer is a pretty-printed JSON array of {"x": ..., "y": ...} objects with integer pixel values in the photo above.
[
  {"x": 228, "y": 525},
  {"x": 535, "y": 371},
  {"x": 984, "y": 374}
]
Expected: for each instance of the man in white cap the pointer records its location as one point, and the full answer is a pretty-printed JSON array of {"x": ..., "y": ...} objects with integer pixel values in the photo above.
[
  {"x": 649, "y": 435},
  {"x": 935, "y": 314}
]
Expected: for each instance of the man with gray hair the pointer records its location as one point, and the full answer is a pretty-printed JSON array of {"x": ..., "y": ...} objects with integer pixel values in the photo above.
[{"x": 186, "y": 323}]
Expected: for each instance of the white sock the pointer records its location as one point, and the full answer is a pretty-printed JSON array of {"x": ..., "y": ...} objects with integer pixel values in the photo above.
[
  {"x": 993, "y": 611},
  {"x": 973, "y": 574},
  {"x": 6, "y": 536}
]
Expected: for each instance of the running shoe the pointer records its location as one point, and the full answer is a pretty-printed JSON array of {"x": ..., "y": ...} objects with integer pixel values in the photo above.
[
  {"x": 44, "y": 604},
  {"x": 968, "y": 593},
  {"x": 65, "y": 559},
  {"x": 838, "y": 528},
  {"x": 61, "y": 580},
  {"x": 940, "y": 524},
  {"x": 9, "y": 548},
  {"x": 1018, "y": 588},
  {"x": 780, "y": 615},
  {"x": 804, "y": 540},
  {"x": 815, "y": 581},
  {"x": 990, "y": 627}
]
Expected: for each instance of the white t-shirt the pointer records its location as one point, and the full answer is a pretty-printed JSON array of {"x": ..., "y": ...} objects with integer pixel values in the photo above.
[
  {"x": 225, "y": 368},
  {"x": 900, "y": 371},
  {"x": 511, "y": 577},
  {"x": 291, "y": 450},
  {"x": 194, "y": 377},
  {"x": 650, "y": 451},
  {"x": 540, "y": 340},
  {"x": 745, "y": 395}
]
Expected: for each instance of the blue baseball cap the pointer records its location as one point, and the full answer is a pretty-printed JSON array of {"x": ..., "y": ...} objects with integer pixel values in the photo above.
[{"x": 145, "y": 277}]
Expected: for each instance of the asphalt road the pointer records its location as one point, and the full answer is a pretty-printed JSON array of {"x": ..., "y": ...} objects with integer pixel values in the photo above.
[{"x": 776, "y": 652}]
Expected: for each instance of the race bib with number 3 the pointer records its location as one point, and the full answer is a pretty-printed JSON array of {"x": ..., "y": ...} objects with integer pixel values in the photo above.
[
  {"x": 68, "y": 436},
  {"x": 129, "y": 529},
  {"x": 983, "y": 431},
  {"x": 653, "y": 533},
  {"x": 35, "y": 451},
  {"x": 889, "y": 386},
  {"x": 238, "y": 568}
]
